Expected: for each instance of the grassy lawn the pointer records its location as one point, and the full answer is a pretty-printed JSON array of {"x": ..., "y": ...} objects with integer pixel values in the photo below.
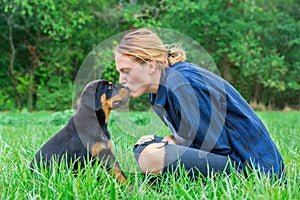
[{"x": 22, "y": 134}]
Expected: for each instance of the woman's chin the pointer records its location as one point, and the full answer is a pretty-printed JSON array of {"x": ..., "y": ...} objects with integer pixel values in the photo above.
[{"x": 136, "y": 94}]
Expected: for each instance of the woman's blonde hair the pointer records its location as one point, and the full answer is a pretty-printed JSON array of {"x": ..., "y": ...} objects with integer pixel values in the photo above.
[{"x": 143, "y": 45}]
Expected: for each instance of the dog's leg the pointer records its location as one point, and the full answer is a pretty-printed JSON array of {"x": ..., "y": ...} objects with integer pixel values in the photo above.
[{"x": 104, "y": 153}]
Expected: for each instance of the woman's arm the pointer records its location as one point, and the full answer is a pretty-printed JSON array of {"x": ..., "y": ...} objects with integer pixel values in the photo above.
[{"x": 186, "y": 108}]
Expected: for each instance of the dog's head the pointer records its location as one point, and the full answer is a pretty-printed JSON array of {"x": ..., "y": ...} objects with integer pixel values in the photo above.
[{"x": 104, "y": 95}]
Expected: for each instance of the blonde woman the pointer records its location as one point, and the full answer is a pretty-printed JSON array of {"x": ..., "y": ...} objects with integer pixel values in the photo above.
[{"x": 210, "y": 121}]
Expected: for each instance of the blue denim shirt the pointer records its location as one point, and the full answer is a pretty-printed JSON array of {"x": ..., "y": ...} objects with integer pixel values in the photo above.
[{"x": 205, "y": 112}]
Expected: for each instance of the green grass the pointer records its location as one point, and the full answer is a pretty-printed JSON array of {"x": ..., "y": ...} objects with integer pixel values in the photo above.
[{"x": 22, "y": 134}]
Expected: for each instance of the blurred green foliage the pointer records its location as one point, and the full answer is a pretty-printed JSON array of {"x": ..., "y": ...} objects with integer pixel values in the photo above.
[{"x": 255, "y": 45}]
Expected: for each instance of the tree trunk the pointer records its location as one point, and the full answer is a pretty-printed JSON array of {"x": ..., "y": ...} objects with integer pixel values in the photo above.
[
  {"x": 12, "y": 62},
  {"x": 226, "y": 72},
  {"x": 35, "y": 58},
  {"x": 30, "y": 92},
  {"x": 256, "y": 93}
]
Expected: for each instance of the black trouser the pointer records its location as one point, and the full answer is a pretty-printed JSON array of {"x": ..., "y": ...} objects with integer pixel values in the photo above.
[{"x": 195, "y": 161}]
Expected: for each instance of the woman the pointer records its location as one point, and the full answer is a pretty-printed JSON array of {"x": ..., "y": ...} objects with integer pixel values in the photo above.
[{"x": 210, "y": 121}]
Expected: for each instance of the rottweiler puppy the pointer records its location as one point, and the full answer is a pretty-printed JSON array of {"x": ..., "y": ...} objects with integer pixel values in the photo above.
[{"x": 85, "y": 137}]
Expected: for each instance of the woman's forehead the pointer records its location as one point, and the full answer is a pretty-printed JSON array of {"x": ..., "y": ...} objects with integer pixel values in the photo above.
[{"x": 124, "y": 62}]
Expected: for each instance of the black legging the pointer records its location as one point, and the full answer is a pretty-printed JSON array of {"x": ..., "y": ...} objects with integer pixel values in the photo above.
[{"x": 195, "y": 161}]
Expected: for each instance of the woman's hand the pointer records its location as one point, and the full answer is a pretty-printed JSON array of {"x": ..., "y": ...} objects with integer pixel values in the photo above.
[{"x": 170, "y": 139}]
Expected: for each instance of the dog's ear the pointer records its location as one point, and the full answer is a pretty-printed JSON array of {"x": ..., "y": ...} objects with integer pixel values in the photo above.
[
  {"x": 85, "y": 120},
  {"x": 90, "y": 92}
]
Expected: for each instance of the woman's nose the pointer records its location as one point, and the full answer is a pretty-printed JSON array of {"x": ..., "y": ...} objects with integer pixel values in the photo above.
[{"x": 122, "y": 79}]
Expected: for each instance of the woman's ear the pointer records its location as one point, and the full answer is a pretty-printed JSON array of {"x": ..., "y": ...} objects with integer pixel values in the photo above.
[{"x": 152, "y": 66}]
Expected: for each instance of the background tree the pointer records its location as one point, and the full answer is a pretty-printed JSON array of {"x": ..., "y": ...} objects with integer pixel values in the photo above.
[{"x": 254, "y": 43}]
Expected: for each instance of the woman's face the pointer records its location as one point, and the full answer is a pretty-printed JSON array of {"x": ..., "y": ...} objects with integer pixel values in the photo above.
[{"x": 137, "y": 77}]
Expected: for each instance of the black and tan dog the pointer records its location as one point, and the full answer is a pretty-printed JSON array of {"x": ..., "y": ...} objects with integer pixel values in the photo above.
[{"x": 85, "y": 136}]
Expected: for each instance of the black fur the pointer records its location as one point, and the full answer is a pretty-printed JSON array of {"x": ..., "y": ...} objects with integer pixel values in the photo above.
[{"x": 86, "y": 128}]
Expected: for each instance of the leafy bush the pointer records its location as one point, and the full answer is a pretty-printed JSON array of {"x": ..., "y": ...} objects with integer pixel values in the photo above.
[
  {"x": 57, "y": 118},
  {"x": 56, "y": 96},
  {"x": 40, "y": 118},
  {"x": 140, "y": 104},
  {"x": 6, "y": 103},
  {"x": 7, "y": 120}
]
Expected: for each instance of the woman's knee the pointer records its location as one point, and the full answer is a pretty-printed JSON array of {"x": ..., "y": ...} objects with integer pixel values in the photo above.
[{"x": 151, "y": 159}]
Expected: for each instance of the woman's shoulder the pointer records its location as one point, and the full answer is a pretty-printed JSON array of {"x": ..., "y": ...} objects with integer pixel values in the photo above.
[
  {"x": 189, "y": 69},
  {"x": 181, "y": 74},
  {"x": 181, "y": 65},
  {"x": 185, "y": 70}
]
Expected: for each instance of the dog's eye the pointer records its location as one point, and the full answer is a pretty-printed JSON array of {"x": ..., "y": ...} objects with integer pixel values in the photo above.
[{"x": 110, "y": 87}]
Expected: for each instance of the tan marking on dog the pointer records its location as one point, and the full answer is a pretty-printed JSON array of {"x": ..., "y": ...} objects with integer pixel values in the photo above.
[
  {"x": 122, "y": 95},
  {"x": 110, "y": 145},
  {"x": 106, "y": 107},
  {"x": 97, "y": 148},
  {"x": 107, "y": 104},
  {"x": 119, "y": 97},
  {"x": 119, "y": 176}
]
